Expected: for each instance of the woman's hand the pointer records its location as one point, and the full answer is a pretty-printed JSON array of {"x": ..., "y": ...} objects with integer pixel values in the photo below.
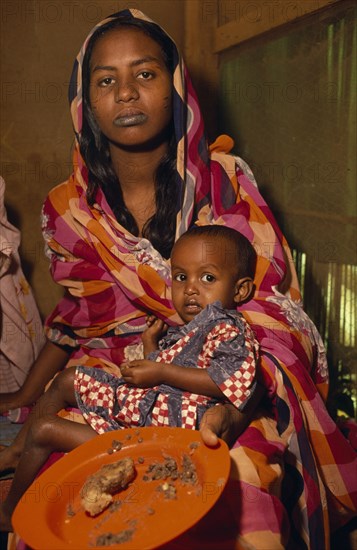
[
  {"x": 220, "y": 421},
  {"x": 142, "y": 373},
  {"x": 227, "y": 422}
]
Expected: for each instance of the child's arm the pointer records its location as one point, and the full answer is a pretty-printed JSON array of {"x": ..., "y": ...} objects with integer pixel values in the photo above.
[
  {"x": 146, "y": 374},
  {"x": 151, "y": 336}
]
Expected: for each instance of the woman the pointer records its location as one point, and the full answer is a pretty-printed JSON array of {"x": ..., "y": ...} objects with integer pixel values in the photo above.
[{"x": 108, "y": 243}]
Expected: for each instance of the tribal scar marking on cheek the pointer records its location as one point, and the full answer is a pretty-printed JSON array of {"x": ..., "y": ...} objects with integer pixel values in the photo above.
[{"x": 167, "y": 102}]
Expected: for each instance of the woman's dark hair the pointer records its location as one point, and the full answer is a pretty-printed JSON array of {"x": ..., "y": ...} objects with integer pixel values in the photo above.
[
  {"x": 241, "y": 251},
  {"x": 160, "y": 228}
]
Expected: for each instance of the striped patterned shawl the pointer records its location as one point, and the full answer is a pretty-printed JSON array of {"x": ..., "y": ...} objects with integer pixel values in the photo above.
[{"x": 293, "y": 471}]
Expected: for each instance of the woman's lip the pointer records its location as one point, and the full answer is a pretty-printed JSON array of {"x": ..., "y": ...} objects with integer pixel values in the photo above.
[{"x": 130, "y": 118}]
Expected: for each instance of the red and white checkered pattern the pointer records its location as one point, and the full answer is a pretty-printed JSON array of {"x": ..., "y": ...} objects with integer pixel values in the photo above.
[
  {"x": 94, "y": 392},
  {"x": 189, "y": 401},
  {"x": 236, "y": 389},
  {"x": 168, "y": 355},
  {"x": 221, "y": 333},
  {"x": 160, "y": 412},
  {"x": 189, "y": 409},
  {"x": 129, "y": 413},
  {"x": 189, "y": 414},
  {"x": 99, "y": 424}
]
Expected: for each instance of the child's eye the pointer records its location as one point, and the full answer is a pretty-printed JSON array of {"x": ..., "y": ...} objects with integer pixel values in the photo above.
[
  {"x": 208, "y": 278},
  {"x": 180, "y": 277}
]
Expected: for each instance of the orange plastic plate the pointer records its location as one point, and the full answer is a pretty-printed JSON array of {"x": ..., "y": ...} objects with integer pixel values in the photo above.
[{"x": 50, "y": 516}]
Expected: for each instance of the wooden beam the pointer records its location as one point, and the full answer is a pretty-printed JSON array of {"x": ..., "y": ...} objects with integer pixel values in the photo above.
[
  {"x": 253, "y": 18},
  {"x": 202, "y": 62}
]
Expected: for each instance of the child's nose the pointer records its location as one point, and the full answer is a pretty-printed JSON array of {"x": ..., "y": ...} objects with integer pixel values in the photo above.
[{"x": 191, "y": 288}]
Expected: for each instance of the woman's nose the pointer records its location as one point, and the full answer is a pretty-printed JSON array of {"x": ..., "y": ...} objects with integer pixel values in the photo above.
[{"x": 126, "y": 91}]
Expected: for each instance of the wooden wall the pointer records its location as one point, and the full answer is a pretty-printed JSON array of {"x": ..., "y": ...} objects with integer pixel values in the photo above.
[{"x": 39, "y": 41}]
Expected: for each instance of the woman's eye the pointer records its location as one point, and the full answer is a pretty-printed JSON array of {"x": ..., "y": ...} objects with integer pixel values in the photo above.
[
  {"x": 180, "y": 277},
  {"x": 145, "y": 75},
  {"x": 208, "y": 278},
  {"x": 106, "y": 81}
]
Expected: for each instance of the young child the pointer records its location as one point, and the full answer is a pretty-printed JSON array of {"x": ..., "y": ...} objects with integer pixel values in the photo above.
[{"x": 209, "y": 359}]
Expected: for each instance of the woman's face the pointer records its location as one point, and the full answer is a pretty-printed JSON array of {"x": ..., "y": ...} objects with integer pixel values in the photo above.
[{"x": 130, "y": 89}]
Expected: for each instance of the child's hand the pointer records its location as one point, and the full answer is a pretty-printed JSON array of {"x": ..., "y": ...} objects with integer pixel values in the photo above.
[
  {"x": 151, "y": 336},
  {"x": 150, "y": 319},
  {"x": 156, "y": 327},
  {"x": 142, "y": 373}
]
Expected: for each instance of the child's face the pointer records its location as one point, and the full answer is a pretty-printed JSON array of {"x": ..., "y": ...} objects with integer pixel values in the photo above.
[
  {"x": 203, "y": 270},
  {"x": 130, "y": 88}
]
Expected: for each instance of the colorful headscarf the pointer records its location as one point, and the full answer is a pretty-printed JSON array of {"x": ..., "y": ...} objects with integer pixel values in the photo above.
[
  {"x": 213, "y": 185},
  {"x": 292, "y": 461}
]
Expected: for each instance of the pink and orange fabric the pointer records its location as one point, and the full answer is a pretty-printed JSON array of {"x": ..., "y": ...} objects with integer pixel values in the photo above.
[{"x": 293, "y": 473}]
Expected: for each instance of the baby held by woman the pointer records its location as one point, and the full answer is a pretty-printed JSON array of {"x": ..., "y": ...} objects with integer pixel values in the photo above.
[{"x": 210, "y": 359}]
